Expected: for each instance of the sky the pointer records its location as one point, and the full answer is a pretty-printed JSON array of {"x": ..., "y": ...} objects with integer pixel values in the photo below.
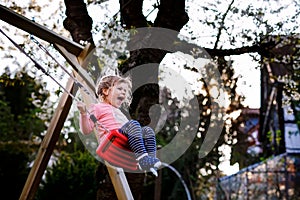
[
  {"x": 249, "y": 82},
  {"x": 245, "y": 68}
]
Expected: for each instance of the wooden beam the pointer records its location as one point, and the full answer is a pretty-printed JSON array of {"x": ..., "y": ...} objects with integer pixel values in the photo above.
[
  {"x": 119, "y": 182},
  {"x": 74, "y": 62},
  {"x": 48, "y": 144},
  {"x": 69, "y": 50},
  {"x": 61, "y": 112},
  {"x": 38, "y": 30}
]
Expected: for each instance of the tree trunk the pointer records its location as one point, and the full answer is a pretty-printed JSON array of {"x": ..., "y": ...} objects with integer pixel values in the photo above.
[
  {"x": 171, "y": 15},
  {"x": 78, "y": 21}
]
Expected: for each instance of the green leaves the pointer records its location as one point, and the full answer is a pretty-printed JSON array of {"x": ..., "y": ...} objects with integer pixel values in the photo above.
[
  {"x": 20, "y": 127},
  {"x": 72, "y": 176},
  {"x": 21, "y": 103}
]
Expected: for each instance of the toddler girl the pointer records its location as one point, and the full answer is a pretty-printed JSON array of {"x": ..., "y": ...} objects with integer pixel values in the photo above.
[{"x": 113, "y": 91}]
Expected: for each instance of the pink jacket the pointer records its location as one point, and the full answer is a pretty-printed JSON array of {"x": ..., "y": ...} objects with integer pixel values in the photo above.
[{"x": 107, "y": 115}]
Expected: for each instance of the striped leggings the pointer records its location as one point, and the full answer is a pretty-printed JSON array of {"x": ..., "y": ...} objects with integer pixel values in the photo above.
[{"x": 141, "y": 139}]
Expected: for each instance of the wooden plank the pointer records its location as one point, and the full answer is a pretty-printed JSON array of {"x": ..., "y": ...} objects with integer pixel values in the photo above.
[
  {"x": 119, "y": 182},
  {"x": 38, "y": 30},
  {"x": 117, "y": 174},
  {"x": 74, "y": 62},
  {"x": 48, "y": 144}
]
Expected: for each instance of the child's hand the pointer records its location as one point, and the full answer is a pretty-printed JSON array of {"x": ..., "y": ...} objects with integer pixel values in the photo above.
[{"x": 81, "y": 107}]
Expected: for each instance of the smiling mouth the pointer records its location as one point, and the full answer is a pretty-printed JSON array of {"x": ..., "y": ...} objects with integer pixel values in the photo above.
[{"x": 121, "y": 98}]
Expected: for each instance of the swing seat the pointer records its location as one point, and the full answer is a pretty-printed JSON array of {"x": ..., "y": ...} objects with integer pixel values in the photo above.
[{"x": 115, "y": 150}]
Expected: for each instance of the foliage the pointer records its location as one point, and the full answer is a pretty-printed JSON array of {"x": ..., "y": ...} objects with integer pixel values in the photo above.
[
  {"x": 21, "y": 126},
  {"x": 72, "y": 176},
  {"x": 22, "y": 100},
  {"x": 219, "y": 30},
  {"x": 14, "y": 168},
  {"x": 202, "y": 171}
]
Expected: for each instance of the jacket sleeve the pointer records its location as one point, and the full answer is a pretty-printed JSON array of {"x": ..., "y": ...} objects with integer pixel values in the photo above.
[{"x": 86, "y": 124}]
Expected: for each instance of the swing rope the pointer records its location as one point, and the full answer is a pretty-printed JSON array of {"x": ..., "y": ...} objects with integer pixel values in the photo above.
[
  {"x": 39, "y": 67},
  {"x": 93, "y": 118},
  {"x": 36, "y": 64},
  {"x": 78, "y": 84}
]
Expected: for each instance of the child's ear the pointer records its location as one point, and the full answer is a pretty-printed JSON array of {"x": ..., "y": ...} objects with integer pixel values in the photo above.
[{"x": 105, "y": 91}]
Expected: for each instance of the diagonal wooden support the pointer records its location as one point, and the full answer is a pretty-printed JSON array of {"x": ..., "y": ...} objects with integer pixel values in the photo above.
[
  {"x": 38, "y": 30},
  {"x": 119, "y": 182},
  {"x": 76, "y": 56},
  {"x": 48, "y": 144}
]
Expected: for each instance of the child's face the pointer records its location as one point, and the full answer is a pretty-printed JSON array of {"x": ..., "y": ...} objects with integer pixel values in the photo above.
[{"x": 116, "y": 95}]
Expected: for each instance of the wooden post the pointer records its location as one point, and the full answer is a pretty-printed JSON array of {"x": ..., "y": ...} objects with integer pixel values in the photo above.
[
  {"x": 119, "y": 182},
  {"x": 38, "y": 30},
  {"x": 75, "y": 55},
  {"x": 48, "y": 144}
]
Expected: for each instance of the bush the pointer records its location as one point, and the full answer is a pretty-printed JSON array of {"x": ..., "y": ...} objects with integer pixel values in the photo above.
[
  {"x": 71, "y": 177},
  {"x": 13, "y": 169}
]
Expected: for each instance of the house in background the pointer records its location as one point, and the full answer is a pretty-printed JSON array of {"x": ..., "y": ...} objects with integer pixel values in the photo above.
[
  {"x": 279, "y": 132},
  {"x": 276, "y": 134},
  {"x": 251, "y": 129}
]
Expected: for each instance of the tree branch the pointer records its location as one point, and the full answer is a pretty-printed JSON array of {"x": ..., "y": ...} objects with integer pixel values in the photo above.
[
  {"x": 222, "y": 24},
  {"x": 262, "y": 49}
]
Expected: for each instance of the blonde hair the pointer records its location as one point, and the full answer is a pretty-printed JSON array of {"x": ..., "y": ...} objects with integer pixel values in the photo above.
[{"x": 109, "y": 81}]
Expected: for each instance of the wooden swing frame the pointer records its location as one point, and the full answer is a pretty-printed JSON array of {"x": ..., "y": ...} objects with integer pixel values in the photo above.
[{"x": 75, "y": 54}]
